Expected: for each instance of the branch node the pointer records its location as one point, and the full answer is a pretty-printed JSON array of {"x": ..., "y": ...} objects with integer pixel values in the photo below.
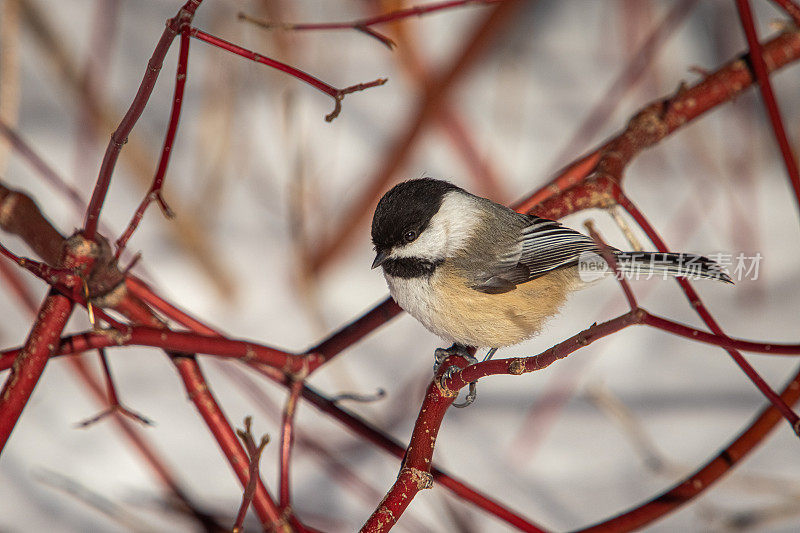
[
  {"x": 166, "y": 210},
  {"x": 423, "y": 480},
  {"x": 516, "y": 366}
]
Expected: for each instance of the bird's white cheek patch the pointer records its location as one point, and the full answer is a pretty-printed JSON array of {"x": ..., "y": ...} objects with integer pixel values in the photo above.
[{"x": 448, "y": 230}]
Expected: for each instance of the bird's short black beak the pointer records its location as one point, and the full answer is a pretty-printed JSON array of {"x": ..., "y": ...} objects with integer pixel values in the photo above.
[{"x": 382, "y": 256}]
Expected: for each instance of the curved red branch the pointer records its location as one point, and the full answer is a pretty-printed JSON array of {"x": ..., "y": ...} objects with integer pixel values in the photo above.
[{"x": 701, "y": 479}]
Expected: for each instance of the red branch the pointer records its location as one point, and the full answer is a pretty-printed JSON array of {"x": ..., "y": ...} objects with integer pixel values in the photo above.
[
  {"x": 415, "y": 473},
  {"x": 78, "y": 255},
  {"x": 166, "y": 151},
  {"x": 200, "y": 394},
  {"x": 148, "y": 452},
  {"x": 216, "y": 421},
  {"x": 114, "y": 405},
  {"x": 29, "y": 364},
  {"x": 287, "y": 440},
  {"x": 254, "y": 452},
  {"x": 363, "y": 25},
  {"x": 337, "y": 94},
  {"x": 184, "y": 342},
  {"x": 336, "y": 342},
  {"x": 120, "y": 135},
  {"x": 791, "y": 9},
  {"x": 756, "y": 57},
  {"x": 441, "y": 393},
  {"x": 596, "y": 171},
  {"x": 353, "y": 332},
  {"x": 179, "y": 341}
]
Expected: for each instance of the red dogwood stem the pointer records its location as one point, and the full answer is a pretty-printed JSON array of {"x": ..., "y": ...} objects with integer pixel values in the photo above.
[{"x": 29, "y": 364}]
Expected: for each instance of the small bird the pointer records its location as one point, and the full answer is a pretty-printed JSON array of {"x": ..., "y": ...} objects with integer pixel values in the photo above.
[{"x": 477, "y": 273}]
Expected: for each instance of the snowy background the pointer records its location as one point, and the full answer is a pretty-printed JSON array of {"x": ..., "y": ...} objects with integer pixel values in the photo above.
[{"x": 260, "y": 175}]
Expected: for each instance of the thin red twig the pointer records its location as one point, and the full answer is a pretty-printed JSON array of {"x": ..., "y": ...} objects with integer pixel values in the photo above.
[
  {"x": 51, "y": 275},
  {"x": 353, "y": 332},
  {"x": 768, "y": 96},
  {"x": 149, "y": 453},
  {"x": 254, "y": 452},
  {"x": 287, "y": 441},
  {"x": 141, "y": 290},
  {"x": 120, "y": 135},
  {"x": 92, "y": 81},
  {"x": 337, "y": 94},
  {"x": 363, "y": 25},
  {"x": 166, "y": 151},
  {"x": 114, "y": 405}
]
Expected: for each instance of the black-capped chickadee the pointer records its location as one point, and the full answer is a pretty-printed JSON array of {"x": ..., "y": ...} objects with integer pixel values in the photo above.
[{"x": 477, "y": 273}]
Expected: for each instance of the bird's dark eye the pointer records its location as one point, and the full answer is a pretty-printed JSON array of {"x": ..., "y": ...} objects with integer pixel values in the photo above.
[{"x": 410, "y": 235}]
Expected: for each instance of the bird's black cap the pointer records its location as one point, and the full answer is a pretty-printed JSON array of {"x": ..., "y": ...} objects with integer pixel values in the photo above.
[{"x": 408, "y": 206}]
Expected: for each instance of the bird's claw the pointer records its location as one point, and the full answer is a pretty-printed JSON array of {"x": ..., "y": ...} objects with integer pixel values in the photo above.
[
  {"x": 441, "y": 354},
  {"x": 471, "y": 395},
  {"x": 456, "y": 349}
]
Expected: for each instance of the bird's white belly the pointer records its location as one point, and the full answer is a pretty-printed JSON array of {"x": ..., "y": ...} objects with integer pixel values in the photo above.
[
  {"x": 457, "y": 313},
  {"x": 418, "y": 297}
]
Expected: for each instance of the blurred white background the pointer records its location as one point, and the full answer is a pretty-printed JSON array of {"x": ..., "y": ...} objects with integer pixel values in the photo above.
[{"x": 262, "y": 179}]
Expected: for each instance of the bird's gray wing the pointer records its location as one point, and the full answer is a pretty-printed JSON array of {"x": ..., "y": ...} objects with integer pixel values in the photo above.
[{"x": 541, "y": 246}]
